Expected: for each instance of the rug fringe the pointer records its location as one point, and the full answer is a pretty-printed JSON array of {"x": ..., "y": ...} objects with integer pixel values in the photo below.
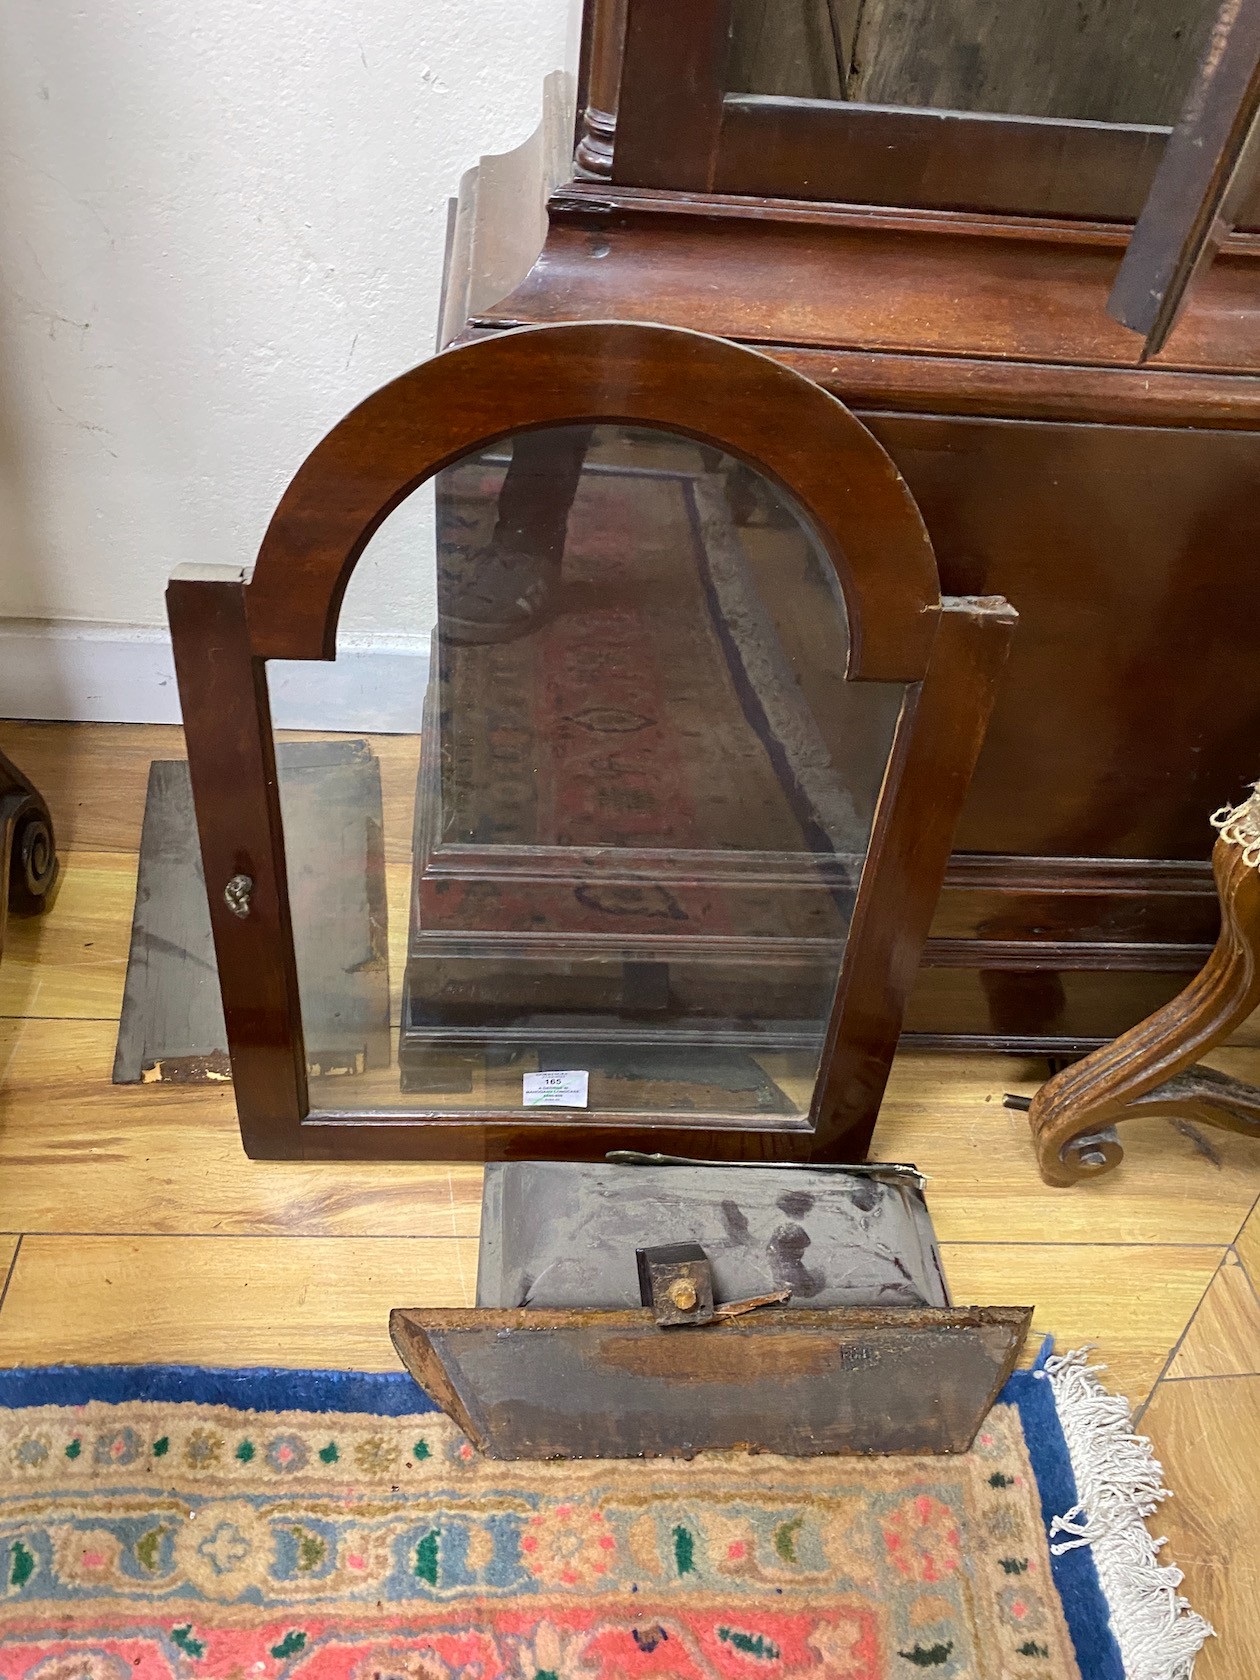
[{"x": 1120, "y": 1481}]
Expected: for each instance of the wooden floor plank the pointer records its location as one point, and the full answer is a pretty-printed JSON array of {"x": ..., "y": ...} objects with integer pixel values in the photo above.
[
  {"x": 93, "y": 776},
  {"x": 80, "y": 1154},
  {"x": 70, "y": 962},
  {"x": 1223, "y": 1339},
  {"x": 288, "y": 1301},
  {"x": 8, "y": 1248},
  {"x": 1205, "y": 1435},
  {"x": 1247, "y": 1244},
  {"x": 945, "y": 1113},
  {"x": 194, "y": 1253},
  {"x": 1131, "y": 1303},
  {"x": 465, "y": 1184}
]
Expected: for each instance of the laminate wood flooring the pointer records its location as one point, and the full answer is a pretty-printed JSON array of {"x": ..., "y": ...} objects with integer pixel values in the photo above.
[{"x": 132, "y": 1227}]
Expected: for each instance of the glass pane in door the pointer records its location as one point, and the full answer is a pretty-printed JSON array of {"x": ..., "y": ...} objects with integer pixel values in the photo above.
[
  {"x": 1120, "y": 61},
  {"x": 622, "y": 876}
]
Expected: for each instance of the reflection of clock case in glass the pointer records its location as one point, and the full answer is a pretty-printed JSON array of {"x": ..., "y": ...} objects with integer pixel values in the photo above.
[{"x": 699, "y": 725}]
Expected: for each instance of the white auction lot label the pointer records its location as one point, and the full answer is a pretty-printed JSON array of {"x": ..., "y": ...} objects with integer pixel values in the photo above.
[{"x": 555, "y": 1090}]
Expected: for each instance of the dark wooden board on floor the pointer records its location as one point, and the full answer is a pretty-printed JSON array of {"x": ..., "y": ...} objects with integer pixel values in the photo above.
[
  {"x": 172, "y": 1026},
  {"x": 588, "y": 1384}
]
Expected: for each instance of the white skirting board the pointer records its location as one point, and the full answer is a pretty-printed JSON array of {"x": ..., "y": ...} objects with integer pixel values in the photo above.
[{"x": 88, "y": 673}]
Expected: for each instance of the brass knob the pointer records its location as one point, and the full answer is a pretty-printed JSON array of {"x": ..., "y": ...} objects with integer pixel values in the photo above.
[{"x": 682, "y": 1294}]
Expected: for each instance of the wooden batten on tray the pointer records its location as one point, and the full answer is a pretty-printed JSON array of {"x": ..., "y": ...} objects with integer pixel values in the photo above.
[{"x": 796, "y": 1311}]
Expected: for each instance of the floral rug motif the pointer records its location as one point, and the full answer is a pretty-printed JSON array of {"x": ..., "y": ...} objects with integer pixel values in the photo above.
[{"x": 185, "y": 1523}]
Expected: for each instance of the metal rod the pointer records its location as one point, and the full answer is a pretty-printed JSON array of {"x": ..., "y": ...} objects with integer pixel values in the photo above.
[{"x": 863, "y": 1169}]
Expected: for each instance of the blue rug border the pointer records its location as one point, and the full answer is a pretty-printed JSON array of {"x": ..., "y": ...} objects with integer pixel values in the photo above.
[
  {"x": 1075, "y": 1573},
  {"x": 393, "y": 1394},
  {"x": 261, "y": 1388}
]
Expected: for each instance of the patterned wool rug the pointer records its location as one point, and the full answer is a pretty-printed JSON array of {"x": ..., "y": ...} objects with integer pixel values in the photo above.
[{"x": 162, "y": 1522}]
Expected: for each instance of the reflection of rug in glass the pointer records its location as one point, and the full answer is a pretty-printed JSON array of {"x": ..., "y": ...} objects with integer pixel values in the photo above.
[
  {"x": 321, "y": 1526},
  {"x": 656, "y": 709},
  {"x": 641, "y": 811}
]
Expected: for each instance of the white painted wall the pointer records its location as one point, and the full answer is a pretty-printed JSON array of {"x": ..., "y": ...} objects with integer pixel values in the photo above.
[{"x": 221, "y": 225}]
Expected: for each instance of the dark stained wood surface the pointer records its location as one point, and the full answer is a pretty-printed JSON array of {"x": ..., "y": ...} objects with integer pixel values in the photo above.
[
  {"x": 1026, "y": 390},
  {"x": 914, "y": 284},
  {"x": 1117, "y": 530},
  {"x": 1209, "y": 170},
  {"x": 1057, "y": 954},
  {"x": 589, "y": 1384},
  {"x": 231, "y": 761},
  {"x": 172, "y": 1027},
  {"x": 675, "y": 112},
  {"x": 456, "y": 403},
  {"x": 1142, "y": 496},
  {"x": 679, "y": 127},
  {"x": 1063, "y": 1001},
  {"x": 1108, "y": 900},
  {"x": 934, "y": 753},
  {"x": 1123, "y": 549},
  {"x": 876, "y": 154}
]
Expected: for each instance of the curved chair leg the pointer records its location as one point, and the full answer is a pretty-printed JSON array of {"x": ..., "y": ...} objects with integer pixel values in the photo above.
[
  {"x": 1151, "y": 1068},
  {"x": 28, "y": 853}
]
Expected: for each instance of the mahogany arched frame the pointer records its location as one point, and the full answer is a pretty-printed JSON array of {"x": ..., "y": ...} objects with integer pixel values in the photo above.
[{"x": 226, "y": 623}]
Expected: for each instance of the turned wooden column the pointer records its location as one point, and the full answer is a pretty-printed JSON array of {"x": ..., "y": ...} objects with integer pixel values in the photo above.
[
  {"x": 1152, "y": 1068},
  {"x": 598, "y": 126}
]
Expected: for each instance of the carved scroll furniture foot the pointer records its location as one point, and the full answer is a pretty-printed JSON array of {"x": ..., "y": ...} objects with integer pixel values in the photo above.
[
  {"x": 28, "y": 856},
  {"x": 1151, "y": 1069}
]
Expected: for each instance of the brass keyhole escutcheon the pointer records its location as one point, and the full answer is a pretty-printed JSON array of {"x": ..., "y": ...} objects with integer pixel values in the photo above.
[{"x": 237, "y": 894}]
